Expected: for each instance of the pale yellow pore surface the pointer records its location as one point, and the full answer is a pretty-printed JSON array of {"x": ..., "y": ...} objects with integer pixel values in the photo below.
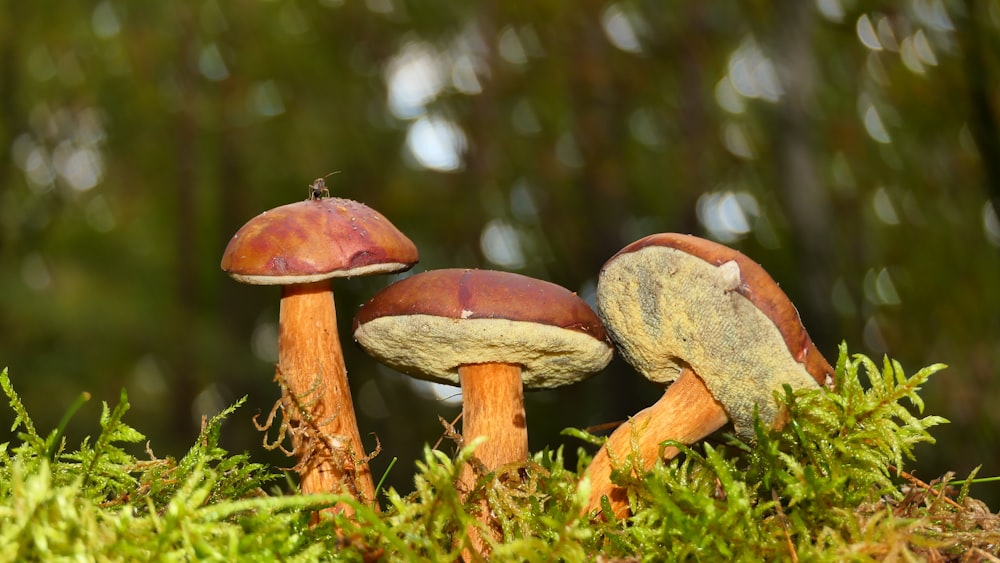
[
  {"x": 433, "y": 348},
  {"x": 665, "y": 308}
]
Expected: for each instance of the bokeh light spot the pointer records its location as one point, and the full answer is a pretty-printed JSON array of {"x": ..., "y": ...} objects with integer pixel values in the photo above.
[
  {"x": 413, "y": 78},
  {"x": 501, "y": 244},
  {"x": 726, "y": 214},
  {"x": 436, "y": 143},
  {"x": 991, "y": 224},
  {"x": 866, "y": 33},
  {"x": 619, "y": 29}
]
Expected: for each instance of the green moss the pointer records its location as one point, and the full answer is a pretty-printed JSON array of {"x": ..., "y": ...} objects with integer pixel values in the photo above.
[
  {"x": 829, "y": 486},
  {"x": 101, "y": 503}
]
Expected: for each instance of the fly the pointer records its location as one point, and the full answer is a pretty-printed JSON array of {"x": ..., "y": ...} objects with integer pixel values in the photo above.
[{"x": 318, "y": 189}]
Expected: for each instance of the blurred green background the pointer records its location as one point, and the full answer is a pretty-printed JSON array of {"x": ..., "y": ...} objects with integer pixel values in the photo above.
[{"x": 851, "y": 147}]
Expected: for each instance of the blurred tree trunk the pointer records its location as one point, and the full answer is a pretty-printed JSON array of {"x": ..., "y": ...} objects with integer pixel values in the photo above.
[
  {"x": 599, "y": 127},
  {"x": 481, "y": 158},
  {"x": 693, "y": 116},
  {"x": 982, "y": 119},
  {"x": 9, "y": 42},
  {"x": 9, "y": 55},
  {"x": 804, "y": 198},
  {"x": 185, "y": 384},
  {"x": 596, "y": 210},
  {"x": 236, "y": 319}
]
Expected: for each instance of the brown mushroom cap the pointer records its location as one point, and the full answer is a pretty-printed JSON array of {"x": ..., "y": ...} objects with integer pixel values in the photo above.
[
  {"x": 429, "y": 324},
  {"x": 672, "y": 300},
  {"x": 314, "y": 240}
]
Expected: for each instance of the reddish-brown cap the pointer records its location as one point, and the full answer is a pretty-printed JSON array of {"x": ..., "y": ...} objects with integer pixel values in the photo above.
[
  {"x": 429, "y": 324},
  {"x": 672, "y": 301},
  {"x": 314, "y": 240}
]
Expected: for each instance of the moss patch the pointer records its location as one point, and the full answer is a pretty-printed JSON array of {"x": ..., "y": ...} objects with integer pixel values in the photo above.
[{"x": 830, "y": 486}]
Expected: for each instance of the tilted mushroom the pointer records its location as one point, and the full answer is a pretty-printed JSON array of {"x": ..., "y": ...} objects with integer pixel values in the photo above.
[
  {"x": 696, "y": 313},
  {"x": 301, "y": 246}
]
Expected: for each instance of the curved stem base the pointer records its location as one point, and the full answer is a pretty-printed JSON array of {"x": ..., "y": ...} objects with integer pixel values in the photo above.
[{"x": 687, "y": 412}]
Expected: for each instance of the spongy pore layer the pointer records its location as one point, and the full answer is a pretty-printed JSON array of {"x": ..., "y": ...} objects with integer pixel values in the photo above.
[
  {"x": 666, "y": 308},
  {"x": 432, "y": 347}
]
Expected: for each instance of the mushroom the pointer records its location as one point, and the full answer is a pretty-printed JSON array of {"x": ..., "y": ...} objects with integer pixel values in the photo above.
[
  {"x": 301, "y": 246},
  {"x": 712, "y": 321},
  {"x": 493, "y": 333}
]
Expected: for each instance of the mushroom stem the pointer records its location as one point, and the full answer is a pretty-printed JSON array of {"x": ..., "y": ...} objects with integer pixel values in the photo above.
[
  {"x": 493, "y": 407},
  {"x": 332, "y": 458},
  {"x": 687, "y": 412}
]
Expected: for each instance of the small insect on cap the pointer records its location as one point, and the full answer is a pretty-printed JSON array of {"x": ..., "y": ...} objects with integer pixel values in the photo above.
[
  {"x": 430, "y": 324},
  {"x": 318, "y": 189},
  {"x": 672, "y": 300},
  {"x": 314, "y": 240}
]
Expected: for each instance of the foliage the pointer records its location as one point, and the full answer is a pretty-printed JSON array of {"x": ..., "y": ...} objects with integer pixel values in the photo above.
[
  {"x": 828, "y": 486},
  {"x": 825, "y": 487},
  {"x": 102, "y": 503}
]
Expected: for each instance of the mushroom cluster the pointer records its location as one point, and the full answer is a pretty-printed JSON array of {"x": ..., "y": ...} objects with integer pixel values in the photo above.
[{"x": 685, "y": 312}]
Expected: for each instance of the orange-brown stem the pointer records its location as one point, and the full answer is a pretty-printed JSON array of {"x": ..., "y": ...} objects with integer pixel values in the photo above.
[
  {"x": 311, "y": 366},
  {"x": 492, "y": 408},
  {"x": 687, "y": 412}
]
